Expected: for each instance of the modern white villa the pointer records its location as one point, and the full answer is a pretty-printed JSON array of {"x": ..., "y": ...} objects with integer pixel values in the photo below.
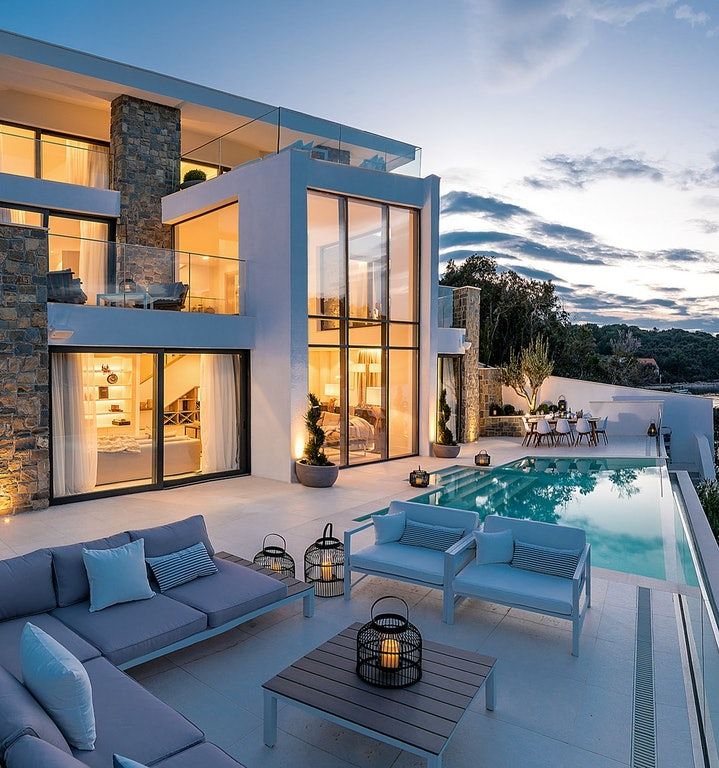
[{"x": 553, "y": 596}]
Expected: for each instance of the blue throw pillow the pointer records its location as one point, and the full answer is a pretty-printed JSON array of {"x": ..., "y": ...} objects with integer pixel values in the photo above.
[
  {"x": 554, "y": 562},
  {"x": 388, "y": 527},
  {"x": 117, "y": 575},
  {"x": 183, "y": 566},
  {"x": 60, "y": 683},
  {"x": 430, "y": 536},
  {"x": 118, "y": 761},
  {"x": 494, "y": 547}
]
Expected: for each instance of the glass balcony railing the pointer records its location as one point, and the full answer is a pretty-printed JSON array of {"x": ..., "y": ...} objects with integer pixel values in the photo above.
[
  {"x": 283, "y": 129},
  {"x": 28, "y": 152},
  {"x": 445, "y": 307},
  {"x": 102, "y": 273}
]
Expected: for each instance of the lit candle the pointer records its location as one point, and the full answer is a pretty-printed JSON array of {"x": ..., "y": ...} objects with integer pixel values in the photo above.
[
  {"x": 276, "y": 565},
  {"x": 389, "y": 653},
  {"x": 326, "y": 571}
]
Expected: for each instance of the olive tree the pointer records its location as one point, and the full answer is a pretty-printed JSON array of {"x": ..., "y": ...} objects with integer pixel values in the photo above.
[{"x": 525, "y": 371}]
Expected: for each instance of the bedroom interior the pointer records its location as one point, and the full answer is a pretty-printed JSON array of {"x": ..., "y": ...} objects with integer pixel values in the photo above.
[{"x": 105, "y": 418}]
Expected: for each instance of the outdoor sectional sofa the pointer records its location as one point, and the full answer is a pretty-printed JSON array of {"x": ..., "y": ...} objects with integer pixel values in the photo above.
[{"x": 49, "y": 588}]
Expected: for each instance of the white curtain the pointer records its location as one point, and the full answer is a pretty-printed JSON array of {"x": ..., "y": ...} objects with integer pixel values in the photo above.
[
  {"x": 219, "y": 413},
  {"x": 74, "y": 433},
  {"x": 92, "y": 265},
  {"x": 86, "y": 165},
  {"x": 13, "y": 216},
  {"x": 359, "y": 289},
  {"x": 450, "y": 384}
]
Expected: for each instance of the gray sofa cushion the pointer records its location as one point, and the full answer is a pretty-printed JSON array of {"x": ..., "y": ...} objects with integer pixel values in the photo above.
[
  {"x": 174, "y": 536},
  {"x": 10, "y": 632},
  {"x": 202, "y": 756},
  {"x": 19, "y": 711},
  {"x": 131, "y": 721},
  {"x": 129, "y": 630},
  {"x": 31, "y": 752},
  {"x": 26, "y": 585},
  {"x": 69, "y": 568},
  {"x": 231, "y": 592}
]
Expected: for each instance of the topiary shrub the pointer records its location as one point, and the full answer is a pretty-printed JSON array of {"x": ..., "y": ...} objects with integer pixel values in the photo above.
[
  {"x": 444, "y": 413},
  {"x": 194, "y": 175},
  {"x": 509, "y": 410},
  {"x": 314, "y": 452}
]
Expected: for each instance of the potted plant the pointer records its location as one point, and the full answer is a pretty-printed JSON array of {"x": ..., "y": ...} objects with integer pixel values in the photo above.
[
  {"x": 192, "y": 177},
  {"x": 445, "y": 447},
  {"x": 314, "y": 469}
]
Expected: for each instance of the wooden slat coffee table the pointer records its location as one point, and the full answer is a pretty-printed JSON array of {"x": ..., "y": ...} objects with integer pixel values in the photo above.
[{"x": 420, "y": 719}]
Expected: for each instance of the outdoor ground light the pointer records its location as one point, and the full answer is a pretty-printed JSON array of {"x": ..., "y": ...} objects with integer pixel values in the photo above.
[
  {"x": 276, "y": 558},
  {"x": 482, "y": 459},
  {"x": 389, "y": 649},
  {"x": 325, "y": 565},
  {"x": 652, "y": 431},
  {"x": 419, "y": 478}
]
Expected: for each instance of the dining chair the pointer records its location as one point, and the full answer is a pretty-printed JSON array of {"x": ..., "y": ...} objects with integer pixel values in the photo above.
[
  {"x": 563, "y": 431},
  {"x": 528, "y": 430},
  {"x": 600, "y": 428},
  {"x": 544, "y": 433},
  {"x": 584, "y": 429}
]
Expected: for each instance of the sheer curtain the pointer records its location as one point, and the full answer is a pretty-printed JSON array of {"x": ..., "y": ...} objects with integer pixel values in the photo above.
[
  {"x": 449, "y": 383},
  {"x": 219, "y": 408},
  {"x": 74, "y": 433},
  {"x": 92, "y": 265}
]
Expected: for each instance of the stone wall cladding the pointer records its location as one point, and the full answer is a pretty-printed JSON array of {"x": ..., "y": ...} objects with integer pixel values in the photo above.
[
  {"x": 501, "y": 426},
  {"x": 145, "y": 166},
  {"x": 465, "y": 303},
  {"x": 490, "y": 390},
  {"x": 24, "y": 364}
]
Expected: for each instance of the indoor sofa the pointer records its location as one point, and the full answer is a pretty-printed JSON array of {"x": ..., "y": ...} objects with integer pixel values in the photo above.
[{"x": 49, "y": 588}]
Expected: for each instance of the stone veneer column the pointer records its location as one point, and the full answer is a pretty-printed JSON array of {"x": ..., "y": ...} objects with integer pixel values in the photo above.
[
  {"x": 145, "y": 166},
  {"x": 466, "y": 315},
  {"x": 24, "y": 393}
]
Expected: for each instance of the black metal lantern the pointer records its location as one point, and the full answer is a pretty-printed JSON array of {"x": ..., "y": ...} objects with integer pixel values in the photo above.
[
  {"x": 493, "y": 410},
  {"x": 562, "y": 405},
  {"x": 652, "y": 431},
  {"x": 275, "y": 558},
  {"x": 482, "y": 459},
  {"x": 419, "y": 478},
  {"x": 325, "y": 565},
  {"x": 389, "y": 649}
]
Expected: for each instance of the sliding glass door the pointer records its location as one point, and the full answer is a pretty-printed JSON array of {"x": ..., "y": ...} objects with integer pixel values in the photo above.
[
  {"x": 363, "y": 329},
  {"x": 126, "y": 420}
]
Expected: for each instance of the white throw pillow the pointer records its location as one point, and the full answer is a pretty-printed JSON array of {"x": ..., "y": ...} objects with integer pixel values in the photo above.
[
  {"x": 494, "y": 547},
  {"x": 60, "y": 683},
  {"x": 388, "y": 527}
]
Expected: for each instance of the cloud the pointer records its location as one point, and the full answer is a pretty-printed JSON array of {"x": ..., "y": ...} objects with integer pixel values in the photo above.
[
  {"x": 579, "y": 170},
  {"x": 562, "y": 233},
  {"x": 519, "y": 43},
  {"x": 708, "y": 226},
  {"x": 692, "y": 17},
  {"x": 680, "y": 254},
  {"x": 535, "y": 274},
  {"x": 470, "y": 202},
  {"x": 462, "y": 237}
]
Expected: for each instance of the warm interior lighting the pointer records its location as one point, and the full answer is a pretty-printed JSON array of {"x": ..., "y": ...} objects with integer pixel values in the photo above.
[
  {"x": 332, "y": 390},
  {"x": 374, "y": 395},
  {"x": 389, "y": 653},
  {"x": 326, "y": 571}
]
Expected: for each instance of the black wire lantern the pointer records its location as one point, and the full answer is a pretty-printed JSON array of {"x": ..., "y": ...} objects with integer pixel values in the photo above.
[
  {"x": 389, "y": 649},
  {"x": 419, "y": 478},
  {"x": 325, "y": 565},
  {"x": 275, "y": 558}
]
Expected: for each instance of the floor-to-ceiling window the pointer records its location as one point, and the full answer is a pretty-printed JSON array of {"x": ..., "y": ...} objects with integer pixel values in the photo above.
[
  {"x": 123, "y": 419},
  {"x": 208, "y": 260},
  {"x": 363, "y": 329},
  {"x": 449, "y": 370}
]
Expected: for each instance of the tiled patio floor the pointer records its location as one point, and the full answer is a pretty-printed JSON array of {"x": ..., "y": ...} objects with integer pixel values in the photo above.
[{"x": 552, "y": 709}]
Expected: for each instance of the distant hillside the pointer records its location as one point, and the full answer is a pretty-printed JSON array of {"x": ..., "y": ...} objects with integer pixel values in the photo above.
[{"x": 682, "y": 356}]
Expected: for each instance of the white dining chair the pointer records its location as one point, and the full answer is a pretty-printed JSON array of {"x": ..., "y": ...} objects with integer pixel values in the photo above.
[
  {"x": 563, "y": 431},
  {"x": 545, "y": 433},
  {"x": 600, "y": 428},
  {"x": 584, "y": 430},
  {"x": 528, "y": 430}
]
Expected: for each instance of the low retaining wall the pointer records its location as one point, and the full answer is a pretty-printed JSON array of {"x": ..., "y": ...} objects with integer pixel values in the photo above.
[{"x": 501, "y": 426}]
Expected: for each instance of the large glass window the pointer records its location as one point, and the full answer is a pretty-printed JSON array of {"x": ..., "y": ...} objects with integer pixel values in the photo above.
[
  {"x": 362, "y": 272},
  {"x": 32, "y": 152},
  {"x": 209, "y": 260},
  {"x": 107, "y": 434}
]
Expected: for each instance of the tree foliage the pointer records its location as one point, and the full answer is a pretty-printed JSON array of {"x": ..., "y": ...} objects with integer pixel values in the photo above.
[
  {"x": 314, "y": 451},
  {"x": 526, "y": 371},
  {"x": 444, "y": 413}
]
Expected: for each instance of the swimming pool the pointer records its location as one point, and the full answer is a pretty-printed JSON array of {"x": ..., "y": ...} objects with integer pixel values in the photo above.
[{"x": 626, "y": 507}]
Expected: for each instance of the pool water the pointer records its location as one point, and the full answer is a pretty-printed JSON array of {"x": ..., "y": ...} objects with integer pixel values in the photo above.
[{"x": 626, "y": 507}]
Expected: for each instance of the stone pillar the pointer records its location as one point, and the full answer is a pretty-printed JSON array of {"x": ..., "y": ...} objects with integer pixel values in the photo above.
[
  {"x": 145, "y": 166},
  {"x": 466, "y": 315},
  {"x": 24, "y": 393}
]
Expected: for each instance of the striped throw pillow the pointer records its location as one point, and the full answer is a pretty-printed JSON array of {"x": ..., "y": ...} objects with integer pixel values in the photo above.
[
  {"x": 180, "y": 567},
  {"x": 554, "y": 562},
  {"x": 430, "y": 536}
]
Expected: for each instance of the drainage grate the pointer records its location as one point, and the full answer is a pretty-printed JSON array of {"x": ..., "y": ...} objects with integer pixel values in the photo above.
[{"x": 644, "y": 730}]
